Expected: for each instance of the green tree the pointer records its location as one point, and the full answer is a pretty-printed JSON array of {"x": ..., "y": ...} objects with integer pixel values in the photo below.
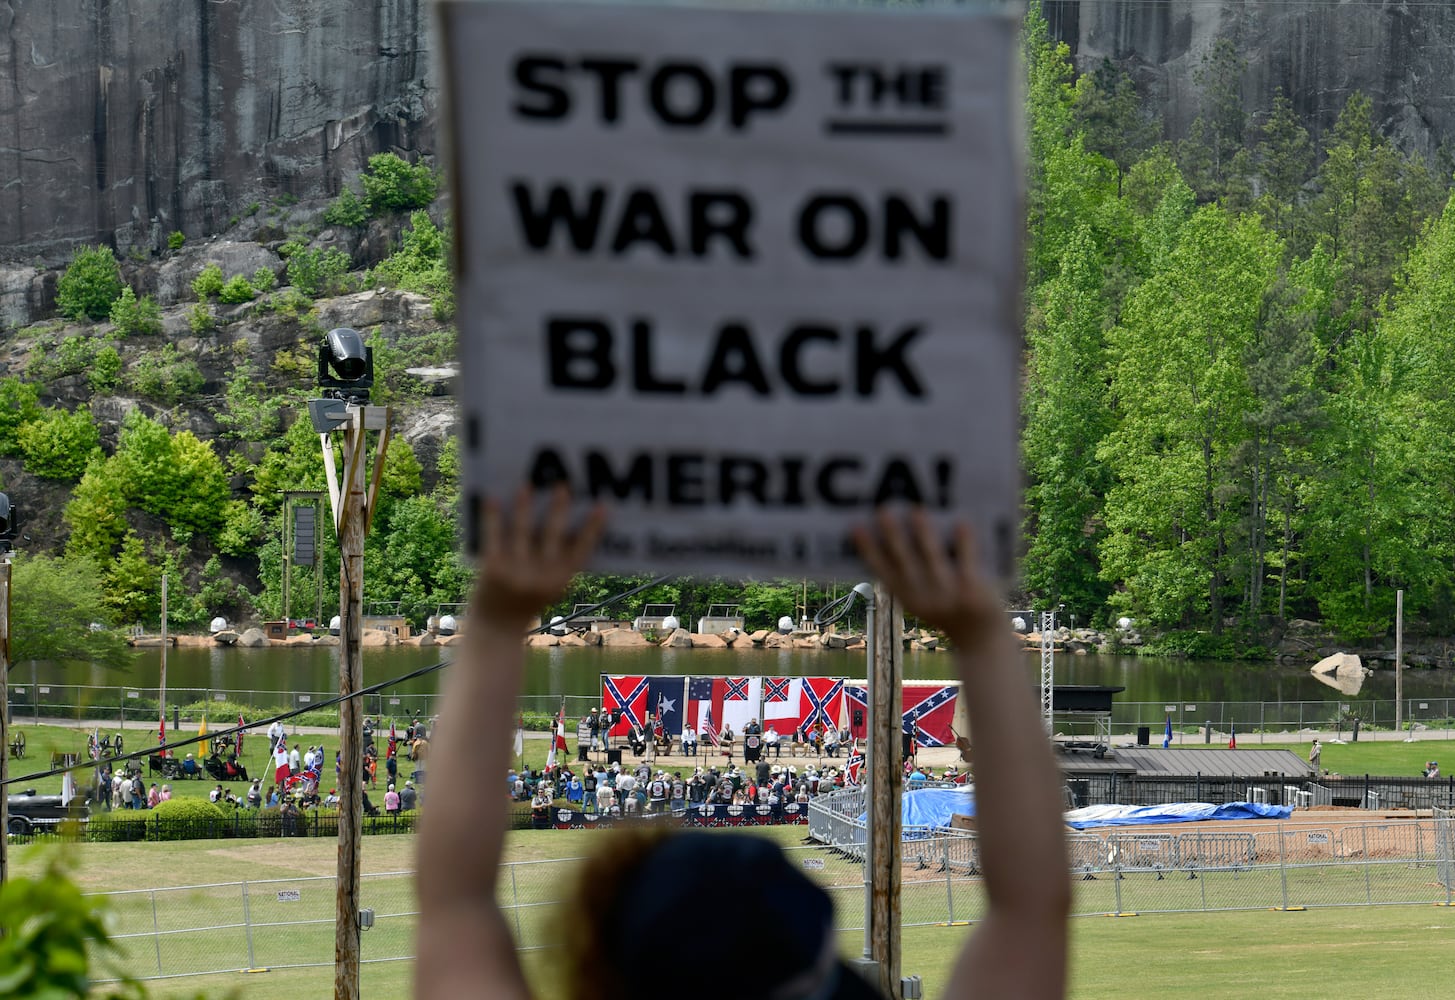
[
  {"x": 1285, "y": 162},
  {"x": 60, "y": 444},
  {"x": 1210, "y": 155},
  {"x": 1115, "y": 122},
  {"x": 419, "y": 265},
  {"x": 174, "y": 476},
  {"x": 133, "y": 317},
  {"x": 208, "y": 283},
  {"x": 53, "y": 604},
  {"x": 1066, "y": 417},
  {"x": 1182, "y": 397},
  {"x": 19, "y": 405},
  {"x": 96, "y": 512},
  {"x": 134, "y": 583},
  {"x": 91, "y": 282},
  {"x": 392, "y": 184}
]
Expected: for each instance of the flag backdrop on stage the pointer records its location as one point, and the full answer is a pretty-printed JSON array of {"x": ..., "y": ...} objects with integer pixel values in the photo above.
[
  {"x": 781, "y": 697},
  {"x": 927, "y": 708},
  {"x": 668, "y": 695},
  {"x": 628, "y": 694}
]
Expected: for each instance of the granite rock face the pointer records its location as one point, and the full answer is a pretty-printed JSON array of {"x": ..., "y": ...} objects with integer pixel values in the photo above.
[
  {"x": 1401, "y": 56},
  {"x": 123, "y": 122}
]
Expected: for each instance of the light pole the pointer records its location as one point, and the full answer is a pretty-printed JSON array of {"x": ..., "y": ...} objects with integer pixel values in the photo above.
[{"x": 346, "y": 374}]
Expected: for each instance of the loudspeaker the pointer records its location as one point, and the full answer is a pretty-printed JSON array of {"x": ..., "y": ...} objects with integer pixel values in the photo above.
[
  {"x": 1144, "y": 736},
  {"x": 904, "y": 750},
  {"x": 613, "y": 756}
]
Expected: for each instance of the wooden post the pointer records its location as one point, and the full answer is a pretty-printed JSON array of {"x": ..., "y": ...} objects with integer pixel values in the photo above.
[
  {"x": 4, "y": 706},
  {"x": 288, "y": 557},
  {"x": 162, "y": 694},
  {"x": 886, "y": 779},
  {"x": 350, "y": 673},
  {"x": 1398, "y": 660}
]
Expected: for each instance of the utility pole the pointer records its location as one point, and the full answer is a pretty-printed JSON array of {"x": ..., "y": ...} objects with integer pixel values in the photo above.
[
  {"x": 1398, "y": 661},
  {"x": 4, "y": 707},
  {"x": 353, "y": 509},
  {"x": 886, "y": 779},
  {"x": 346, "y": 374},
  {"x": 162, "y": 694}
]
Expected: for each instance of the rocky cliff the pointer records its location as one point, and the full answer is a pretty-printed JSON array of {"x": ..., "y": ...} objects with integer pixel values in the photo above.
[
  {"x": 122, "y": 122},
  {"x": 1400, "y": 55}
]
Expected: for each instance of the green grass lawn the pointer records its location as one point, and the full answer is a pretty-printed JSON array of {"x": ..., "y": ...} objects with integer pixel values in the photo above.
[{"x": 1366, "y": 951}]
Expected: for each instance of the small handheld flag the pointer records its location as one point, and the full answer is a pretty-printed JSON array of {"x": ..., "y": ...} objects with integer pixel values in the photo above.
[
  {"x": 1232, "y": 736},
  {"x": 1167, "y": 737}
]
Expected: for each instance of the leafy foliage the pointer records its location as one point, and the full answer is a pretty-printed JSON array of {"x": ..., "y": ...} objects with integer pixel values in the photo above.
[
  {"x": 60, "y": 443},
  {"x": 166, "y": 376},
  {"x": 53, "y": 604},
  {"x": 91, "y": 282},
  {"x": 419, "y": 265},
  {"x": 208, "y": 283},
  {"x": 133, "y": 317},
  {"x": 19, "y": 404},
  {"x": 237, "y": 290},
  {"x": 317, "y": 271},
  {"x": 346, "y": 210},
  {"x": 48, "y": 931},
  {"x": 392, "y": 184}
]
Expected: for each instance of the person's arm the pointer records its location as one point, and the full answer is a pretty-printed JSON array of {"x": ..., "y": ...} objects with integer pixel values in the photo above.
[
  {"x": 464, "y": 948},
  {"x": 1019, "y": 948}
]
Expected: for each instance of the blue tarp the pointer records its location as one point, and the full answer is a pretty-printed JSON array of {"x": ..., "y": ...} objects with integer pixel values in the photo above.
[
  {"x": 1181, "y": 812},
  {"x": 933, "y": 807}
]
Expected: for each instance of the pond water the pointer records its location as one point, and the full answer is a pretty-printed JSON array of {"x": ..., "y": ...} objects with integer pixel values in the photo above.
[{"x": 575, "y": 671}]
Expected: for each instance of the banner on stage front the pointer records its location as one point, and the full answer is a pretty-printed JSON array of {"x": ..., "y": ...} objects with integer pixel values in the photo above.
[{"x": 743, "y": 274}]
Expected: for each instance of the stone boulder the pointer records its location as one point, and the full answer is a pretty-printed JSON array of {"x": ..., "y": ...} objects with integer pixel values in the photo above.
[
  {"x": 571, "y": 639},
  {"x": 777, "y": 640},
  {"x": 623, "y": 637},
  {"x": 253, "y": 638},
  {"x": 759, "y": 637},
  {"x": 701, "y": 640},
  {"x": 679, "y": 639},
  {"x": 175, "y": 276},
  {"x": 378, "y": 637},
  {"x": 542, "y": 639}
]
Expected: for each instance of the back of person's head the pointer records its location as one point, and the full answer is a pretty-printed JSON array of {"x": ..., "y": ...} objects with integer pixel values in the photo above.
[{"x": 709, "y": 892}]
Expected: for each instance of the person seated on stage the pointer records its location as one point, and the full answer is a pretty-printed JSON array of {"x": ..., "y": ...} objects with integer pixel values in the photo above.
[
  {"x": 771, "y": 741},
  {"x": 818, "y": 733},
  {"x": 637, "y": 739},
  {"x": 725, "y": 737},
  {"x": 831, "y": 740},
  {"x": 463, "y": 944},
  {"x": 689, "y": 741}
]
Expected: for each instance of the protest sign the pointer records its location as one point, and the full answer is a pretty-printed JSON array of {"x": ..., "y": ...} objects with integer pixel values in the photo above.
[{"x": 743, "y": 274}]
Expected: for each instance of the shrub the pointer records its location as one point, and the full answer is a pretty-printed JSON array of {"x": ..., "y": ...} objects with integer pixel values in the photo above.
[
  {"x": 395, "y": 185},
  {"x": 190, "y": 809},
  {"x": 105, "y": 371},
  {"x": 91, "y": 283},
  {"x": 264, "y": 280},
  {"x": 419, "y": 265},
  {"x": 71, "y": 356},
  {"x": 135, "y": 317},
  {"x": 346, "y": 210},
  {"x": 19, "y": 404},
  {"x": 200, "y": 318},
  {"x": 318, "y": 272},
  {"x": 238, "y": 289},
  {"x": 166, "y": 376},
  {"x": 176, "y": 239},
  {"x": 60, "y": 444},
  {"x": 208, "y": 283},
  {"x": 120, "y": 826}
]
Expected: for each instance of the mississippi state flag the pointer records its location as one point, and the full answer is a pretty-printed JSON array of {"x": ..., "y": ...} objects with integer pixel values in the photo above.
[
  {"x": 280, "y": 763},
  {"x": 628, "y": 694},
  {"x": 731, "y": 700},
  {"x": 781, "y": 703}
]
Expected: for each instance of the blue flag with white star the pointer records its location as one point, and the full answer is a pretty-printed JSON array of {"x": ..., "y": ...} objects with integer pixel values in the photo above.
[{"x": 667, "y": 695}]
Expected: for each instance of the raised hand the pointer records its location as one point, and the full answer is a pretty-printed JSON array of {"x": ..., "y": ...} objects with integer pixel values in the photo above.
[
  {"x": 941, "y": 589},
  {"x": 525, "y": 566}
]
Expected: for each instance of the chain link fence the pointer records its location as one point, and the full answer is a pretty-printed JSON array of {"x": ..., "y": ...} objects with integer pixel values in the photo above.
[{"x": 234, "y": 926}]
